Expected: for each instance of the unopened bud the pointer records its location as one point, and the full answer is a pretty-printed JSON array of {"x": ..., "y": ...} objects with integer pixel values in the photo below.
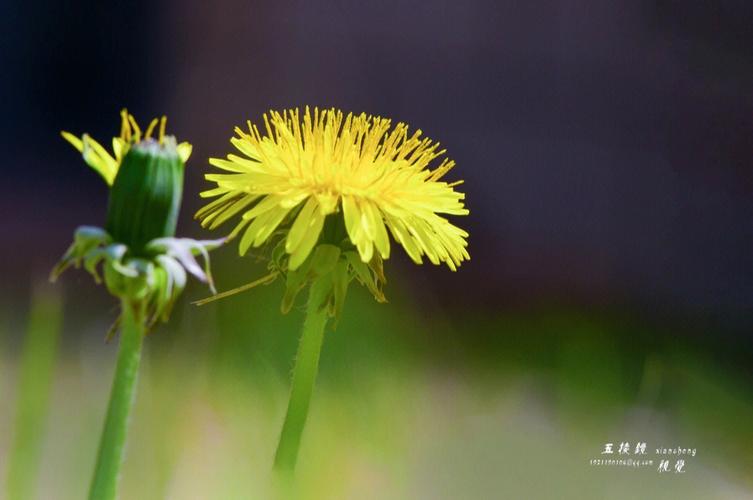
[{"x": 146, "y": 194}]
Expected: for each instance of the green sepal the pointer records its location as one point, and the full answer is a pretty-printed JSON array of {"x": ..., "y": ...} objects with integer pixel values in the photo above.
[
  {"x": 135, "y": 285},
  {"x": 146, "y": 194},
  {"x": 294, "y": 283},
  {"x": 321, "y": 262},
  {"x": 85, "y": 239},
  {"x": 157, "y": 278},
  {"x": 340, "y": 280},
  {"x": 324, "y": 259},
  {"x": 171, "y": 280},
  {"x": 369, "y": 275}
]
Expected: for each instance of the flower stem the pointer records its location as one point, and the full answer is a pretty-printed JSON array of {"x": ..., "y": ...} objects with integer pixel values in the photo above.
[
  {"x": 304, "y": 374},
  {"x": 112, "y": 443}
]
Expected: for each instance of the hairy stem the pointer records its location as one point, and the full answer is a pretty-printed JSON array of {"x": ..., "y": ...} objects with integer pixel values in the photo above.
[
  {"x": 304, "y": 375},
  {"x": 112, "y": 443}
]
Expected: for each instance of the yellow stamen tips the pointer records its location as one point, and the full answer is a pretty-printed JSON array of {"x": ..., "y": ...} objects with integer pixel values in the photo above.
[
  {"x": 107, "y": 165},
  {"x": 125, "y": 126},
  {"x": 136, "y": 131},
  {"x": 376, "y": 177},
  {"x": 150, "y": 129},
  {"x": 162, "y": 126}
]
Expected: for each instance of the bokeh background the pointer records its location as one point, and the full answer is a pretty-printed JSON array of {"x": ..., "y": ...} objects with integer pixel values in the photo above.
[{"x": 606, "y": 149}]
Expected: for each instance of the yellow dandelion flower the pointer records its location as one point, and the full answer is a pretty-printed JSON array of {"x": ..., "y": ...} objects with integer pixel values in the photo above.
[
  {"x": 107, "y": 165},
  {"x": 301, "y": 171},
  {"x": 328, "y": 189}
]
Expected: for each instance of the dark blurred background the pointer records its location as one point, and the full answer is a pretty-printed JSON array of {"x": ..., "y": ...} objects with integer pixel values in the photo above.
[
  {"x": 606, "y": 149},
  {"x": 606, "y": 146}
]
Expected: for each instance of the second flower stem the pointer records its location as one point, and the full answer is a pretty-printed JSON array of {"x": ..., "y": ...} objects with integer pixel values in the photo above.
[
  {"x": 104, "y": 485},
  {"x": 304, "y": 375}
]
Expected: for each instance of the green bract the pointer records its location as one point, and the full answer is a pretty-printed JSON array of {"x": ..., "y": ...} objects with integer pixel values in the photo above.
[
  {"x": 336, "y": 269},
  {"x": 145, "y": 195},
  {"x": 334, "y": 263},
  {"x": 156, "y": 278}
]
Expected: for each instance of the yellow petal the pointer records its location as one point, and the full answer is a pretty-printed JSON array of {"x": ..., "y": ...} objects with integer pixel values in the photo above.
[
  {"x": 209, "y": 193},
  {"x": 119, "y": 148},
  {"x": 366, "y": 249},
  {"x": 184, "y": 151},
  {"x": 309, "y": 240},
  {"x": 377, "y": 233},
  {"x": 99, "y": 159},
  {"x": 381, "y": 239},
  {"x": 230, "y": 166},
  {"x": 352, "y": 216},
  {"x": 75, "y": 141},
  {"x": 265, "y": 224},
  {"x": 402, "y": 235},
  {"x": 417, "y": 229},
  {"x": 231, "y": 210},
  {"x": 300, "y": 226},
  {"x": 268, "y": 203},
  {"x": 245, "y": 147},
  {"x": 214, "y": 208}
]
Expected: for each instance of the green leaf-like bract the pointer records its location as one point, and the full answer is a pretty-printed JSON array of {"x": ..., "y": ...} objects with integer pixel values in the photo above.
[{"x": 145, "y": 196}]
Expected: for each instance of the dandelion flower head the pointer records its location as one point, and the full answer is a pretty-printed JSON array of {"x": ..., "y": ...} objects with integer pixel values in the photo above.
[{"x": 356, "y": 172}]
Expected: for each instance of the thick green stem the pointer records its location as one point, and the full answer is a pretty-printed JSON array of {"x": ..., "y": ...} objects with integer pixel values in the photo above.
[
  {"x": 112, "y": 443},
  {"x": 304, "y": 375}
]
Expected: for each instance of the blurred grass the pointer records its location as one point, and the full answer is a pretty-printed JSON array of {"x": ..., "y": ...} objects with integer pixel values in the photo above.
[
  {"x": 37, "y": 364},
  {"x": 411, "y": 403}
]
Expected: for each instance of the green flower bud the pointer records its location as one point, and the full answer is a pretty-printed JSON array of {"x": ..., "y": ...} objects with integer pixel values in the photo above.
[
  {"x": 135, "y": 286},
  {"x": 146, "y": 194},
  {"x": 141, "y": 259}
]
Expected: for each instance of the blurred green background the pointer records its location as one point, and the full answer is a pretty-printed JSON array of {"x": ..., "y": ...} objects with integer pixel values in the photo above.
[{"x": 406, "y": 405}]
